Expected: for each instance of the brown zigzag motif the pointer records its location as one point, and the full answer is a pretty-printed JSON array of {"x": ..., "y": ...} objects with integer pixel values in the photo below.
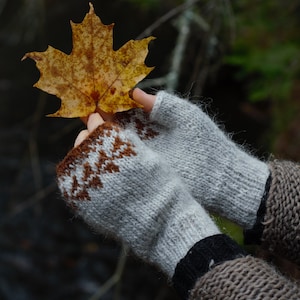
[
  {"x": 144, "y": 131},
  {"x": 106, "y": 163},
  {"x": 141, "y": 122}
]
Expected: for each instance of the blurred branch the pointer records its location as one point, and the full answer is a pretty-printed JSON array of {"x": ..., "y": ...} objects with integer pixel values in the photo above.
[
  {"x": 25, "y": 24},
  {"x": 199, "y": 20},
  {"x": 115, "y": 278},
  {"x": 65, "y": 130},
  {"x": 188, "y": 17},
  {"x": 181, "y": 44},
  {"x": 32, "y": 142},
  {"x": 36, "y": 118},
  {"x": 169, "y": 15},
  {"x": 2, "y": 4},
  {"x": 38, "y": 196},
  {"x": 208, "y": 48},
  {"x": 231, "y": 19}
]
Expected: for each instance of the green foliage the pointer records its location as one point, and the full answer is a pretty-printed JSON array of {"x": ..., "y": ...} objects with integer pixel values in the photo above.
[
  {"x": 267, "y": 48},
  {"x": 272, "y": 71},
  {"x": 145, "y": 4},
  {"x": 228, "y": 227},
  {"x": 267, "y": 52}
]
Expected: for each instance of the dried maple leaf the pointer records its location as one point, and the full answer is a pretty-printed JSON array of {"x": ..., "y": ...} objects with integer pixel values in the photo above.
[{"x": 93, "y": 76}]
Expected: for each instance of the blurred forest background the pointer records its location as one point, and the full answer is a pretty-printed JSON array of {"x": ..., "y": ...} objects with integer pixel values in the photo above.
[{"x": 240, "y": 57}]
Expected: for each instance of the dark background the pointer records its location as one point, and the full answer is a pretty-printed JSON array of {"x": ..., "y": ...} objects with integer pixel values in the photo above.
[{"x": 244, "y": 66}]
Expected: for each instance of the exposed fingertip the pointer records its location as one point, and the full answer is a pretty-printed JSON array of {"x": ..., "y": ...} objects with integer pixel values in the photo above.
[
  {"x": 81, "y": 137},
  {"x": 94, "y": 121},
  {"x": 147, "y": 100},
  {"x": 136, "y": 94}
]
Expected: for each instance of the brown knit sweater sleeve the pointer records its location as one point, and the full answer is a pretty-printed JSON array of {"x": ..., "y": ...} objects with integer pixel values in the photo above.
[
  {"x": 218, "y": 268},
  {"x": 244, "y": 278},
  {"x": 281, "y": 233}
]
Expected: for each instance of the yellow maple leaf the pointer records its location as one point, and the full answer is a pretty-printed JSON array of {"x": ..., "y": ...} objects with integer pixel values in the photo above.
[{"x": 93, "y": 76}]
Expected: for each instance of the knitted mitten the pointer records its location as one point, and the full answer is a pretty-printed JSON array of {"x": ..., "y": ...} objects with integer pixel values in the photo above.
[
  {"x": 220, "y": 175},
  {"x": 120, "y": 187}
]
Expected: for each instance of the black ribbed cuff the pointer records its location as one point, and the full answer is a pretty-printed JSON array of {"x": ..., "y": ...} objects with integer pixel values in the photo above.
[
  {"x": 201, "y": 258},
  {"x": 253, "y": 235}
]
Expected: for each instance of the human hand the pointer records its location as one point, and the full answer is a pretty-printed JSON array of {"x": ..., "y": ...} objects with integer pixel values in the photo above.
[
  {"x": 96, "y": 119},
  {"x": 93, "y": 121},
  {"x": 220, "y": 175},
  {"x": 122, "y": 188}
]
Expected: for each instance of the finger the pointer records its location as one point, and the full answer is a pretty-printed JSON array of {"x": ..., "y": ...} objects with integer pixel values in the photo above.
[
  {"x": 147, "y": 100},
  {"x": 94, "y": 121},
  {"x": 81, "y": 137}
]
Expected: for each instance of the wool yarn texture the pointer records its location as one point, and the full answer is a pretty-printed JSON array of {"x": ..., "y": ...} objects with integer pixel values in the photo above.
[
  {"x": 120, "y": 187},
  {"x": 221, "y": 175}
]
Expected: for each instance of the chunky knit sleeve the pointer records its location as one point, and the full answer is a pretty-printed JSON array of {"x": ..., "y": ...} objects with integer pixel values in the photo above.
[
  {"x": 217, "y": 268},
  {"x": 277, "y": 226},
  {"x": 281, "y": 233},
  {"x": 245, "y": 278}
]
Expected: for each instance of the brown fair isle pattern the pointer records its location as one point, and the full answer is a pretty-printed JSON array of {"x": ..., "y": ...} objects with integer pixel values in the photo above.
[
  {"x": 281, "y": 233},
  {"x": 140, "y": 121},
  {"x": 105, "y": 163},
  {"x": 244, "y": 278}
]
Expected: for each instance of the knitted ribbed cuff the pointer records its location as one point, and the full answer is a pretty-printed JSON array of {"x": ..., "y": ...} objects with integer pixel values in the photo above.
[
  {"x": 281, "y": 223},
  {"x": 253, "y": 235},
  {"x": 201, "y": 258}
]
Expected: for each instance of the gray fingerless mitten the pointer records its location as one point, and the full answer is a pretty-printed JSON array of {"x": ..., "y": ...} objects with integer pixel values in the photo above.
[
  {"x": 120, "y": 187},
  {"x": 220, "y": 175}
]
